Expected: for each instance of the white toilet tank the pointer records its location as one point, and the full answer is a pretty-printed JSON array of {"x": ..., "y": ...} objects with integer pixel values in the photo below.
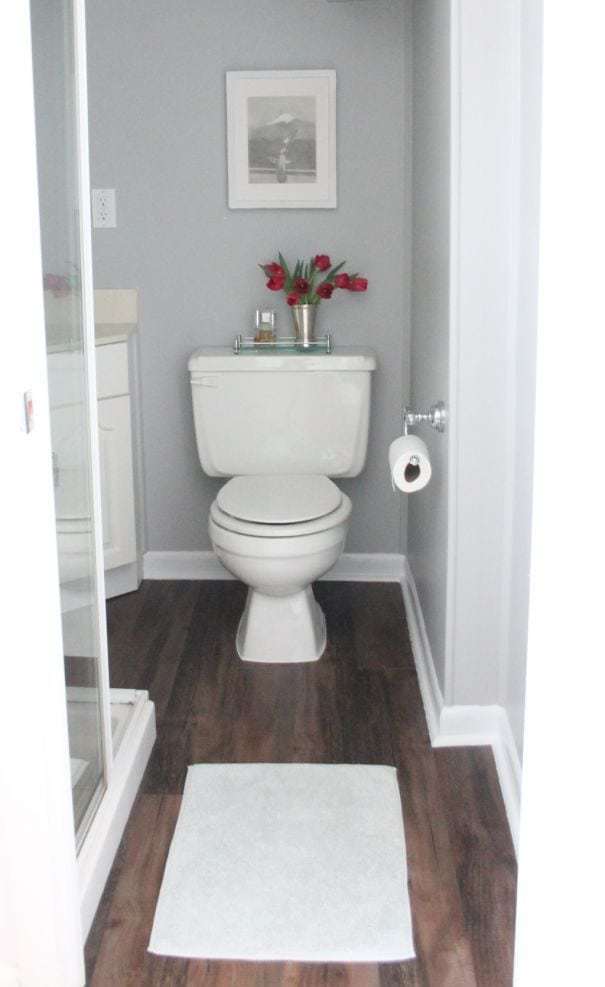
[{"x": 271, "y": 413}]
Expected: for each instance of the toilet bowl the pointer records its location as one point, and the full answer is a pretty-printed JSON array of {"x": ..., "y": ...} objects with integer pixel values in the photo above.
[
  {"x": 280, "y": 422},
  {"x": 278, "y": 534}
]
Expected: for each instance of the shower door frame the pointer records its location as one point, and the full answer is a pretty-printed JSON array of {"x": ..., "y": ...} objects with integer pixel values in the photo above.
[
  {"x": 88, "y": 340},
  {"x": 48, "y": 891},
  {"x": 101, "y": 829},
  {"x": 40, "y": 922}
]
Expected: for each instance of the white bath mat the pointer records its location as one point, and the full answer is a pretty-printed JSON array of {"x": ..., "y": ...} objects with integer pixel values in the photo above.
[{"x": 298, "y": 862}]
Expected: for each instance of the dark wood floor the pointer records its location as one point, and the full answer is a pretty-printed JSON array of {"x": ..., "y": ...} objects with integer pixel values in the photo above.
[{"x": 359, "y": 703}]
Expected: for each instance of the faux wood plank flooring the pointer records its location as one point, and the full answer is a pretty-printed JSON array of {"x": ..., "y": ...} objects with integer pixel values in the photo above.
[{"x": 360, "y": 703}]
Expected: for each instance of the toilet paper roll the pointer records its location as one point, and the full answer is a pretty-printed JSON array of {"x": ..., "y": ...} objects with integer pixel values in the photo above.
[{"x": 409, "y": 463}]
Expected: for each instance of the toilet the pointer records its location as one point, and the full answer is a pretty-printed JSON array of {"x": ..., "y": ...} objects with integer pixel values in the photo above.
[{"x": 282, "y": 426}]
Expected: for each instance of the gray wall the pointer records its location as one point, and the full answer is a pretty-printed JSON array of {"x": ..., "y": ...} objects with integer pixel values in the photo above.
[
  {"x": 156, "y": 89},
  {"x": 429, "y": 356}
]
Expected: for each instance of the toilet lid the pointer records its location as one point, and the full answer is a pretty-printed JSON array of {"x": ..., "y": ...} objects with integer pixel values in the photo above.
[{"x": 279, "y": 499}]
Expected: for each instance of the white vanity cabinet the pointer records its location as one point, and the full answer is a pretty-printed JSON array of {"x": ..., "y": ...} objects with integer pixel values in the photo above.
[
  {"x": 116, "y": 322},
  {"x": 116, "y": 464}
]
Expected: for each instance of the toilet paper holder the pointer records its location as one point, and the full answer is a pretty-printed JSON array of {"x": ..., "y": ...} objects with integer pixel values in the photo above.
[{"x": 436, "y": 417}]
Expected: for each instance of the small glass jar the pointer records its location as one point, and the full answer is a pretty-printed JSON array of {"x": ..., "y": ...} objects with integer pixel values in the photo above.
[{"x": 265, "y": 326}]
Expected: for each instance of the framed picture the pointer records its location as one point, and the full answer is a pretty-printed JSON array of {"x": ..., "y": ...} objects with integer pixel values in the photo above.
[{"x": 281, "y": 135}]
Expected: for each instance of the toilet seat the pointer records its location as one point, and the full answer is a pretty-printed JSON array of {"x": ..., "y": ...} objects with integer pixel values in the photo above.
[
  {"x": 284, "y": 529},
  {"x": 282, "y": 499}
]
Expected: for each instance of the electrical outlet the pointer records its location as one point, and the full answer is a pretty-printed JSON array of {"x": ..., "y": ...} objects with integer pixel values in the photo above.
[{"x": 104, "y": 208}]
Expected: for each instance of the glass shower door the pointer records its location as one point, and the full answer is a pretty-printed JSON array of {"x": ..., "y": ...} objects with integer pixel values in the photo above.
[{"x": 65, "y": 260}]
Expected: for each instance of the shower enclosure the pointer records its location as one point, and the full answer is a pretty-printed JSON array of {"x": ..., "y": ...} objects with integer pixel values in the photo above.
[
  {"x": 73, "y": 428},
  {"x": 110, "y": 731}
]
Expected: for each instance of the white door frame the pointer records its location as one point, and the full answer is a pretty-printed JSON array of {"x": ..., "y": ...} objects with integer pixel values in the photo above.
[
  {"x": 40, "y": 931},
  {"x": 561, "y": 872}
]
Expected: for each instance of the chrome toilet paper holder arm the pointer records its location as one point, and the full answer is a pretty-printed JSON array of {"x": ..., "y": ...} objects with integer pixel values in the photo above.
[{"x": 436, "y": 417}]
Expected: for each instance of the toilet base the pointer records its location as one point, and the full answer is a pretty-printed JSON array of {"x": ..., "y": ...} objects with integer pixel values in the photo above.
[{"x": 281, "y": 629}]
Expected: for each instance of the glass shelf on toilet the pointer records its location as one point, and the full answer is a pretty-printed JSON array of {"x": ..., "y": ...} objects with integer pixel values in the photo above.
[{"x": 283, "y": 344}]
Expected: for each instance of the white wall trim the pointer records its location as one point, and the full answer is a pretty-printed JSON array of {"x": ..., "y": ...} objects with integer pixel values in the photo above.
[
  {"x": 365, "y": 567},
  {"x": 432, "y": 697},
  {"x": 122, "y": 579},
  {"x": 454, "y": 341},
  {"x": 462, "y": 726},
  {"x": 351, "y": 567},
  {"x": 100, "y": 846},
  {"x": 485, "y": 256},
  {"x": 183, "y": 565}
]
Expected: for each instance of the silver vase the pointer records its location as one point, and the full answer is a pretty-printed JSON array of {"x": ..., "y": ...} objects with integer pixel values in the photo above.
[{"x": 304, "y": 324}]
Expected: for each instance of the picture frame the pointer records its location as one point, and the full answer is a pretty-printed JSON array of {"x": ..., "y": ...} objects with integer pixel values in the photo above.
[{"x": 281, "y": 139}]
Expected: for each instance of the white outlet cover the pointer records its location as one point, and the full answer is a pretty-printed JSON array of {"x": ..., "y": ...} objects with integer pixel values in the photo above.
[{"x": 104, "y": 208}]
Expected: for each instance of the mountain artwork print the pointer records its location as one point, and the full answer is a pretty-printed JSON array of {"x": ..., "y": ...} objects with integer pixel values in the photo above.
[{"x": 282, "y": 139}]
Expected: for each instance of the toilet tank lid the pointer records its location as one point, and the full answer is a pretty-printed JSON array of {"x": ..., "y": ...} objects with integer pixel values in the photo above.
[{"x": 222, "y": 359}]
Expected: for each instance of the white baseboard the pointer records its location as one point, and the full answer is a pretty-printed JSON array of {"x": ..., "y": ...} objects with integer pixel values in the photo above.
[
  {"x": 367, "y": 567},
  {"x": 101, "y": 842},
  {"x": 183, "y": 565},
  {"x": 462, "y": 726},
  {"x": 122, "y": 579},
  {"x": 380, "y": 567},
  {"x": 432, "y": 699}
]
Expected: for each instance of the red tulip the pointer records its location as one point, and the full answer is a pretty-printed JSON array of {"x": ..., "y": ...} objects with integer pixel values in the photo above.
[
  {"x": 293, "y": 298},
  {"x": 358, "y": 284},
  {"x": 322, "y": 262},
  {"x": 274, "y": 270},
  {"x": 301, "y": 285},
  {"x": 342, "y": 281},
  {"x": 276, "y": 283},
  {"x": 325, "y": 289}
]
